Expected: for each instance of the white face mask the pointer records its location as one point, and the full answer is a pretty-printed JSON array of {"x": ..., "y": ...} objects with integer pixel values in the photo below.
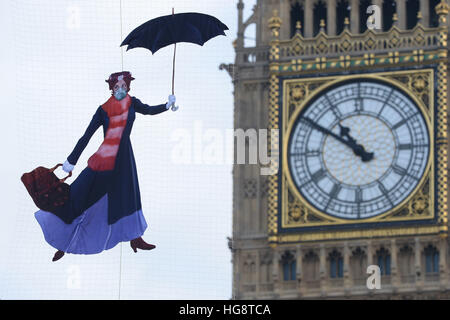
[{"x": 120, "y": 94}]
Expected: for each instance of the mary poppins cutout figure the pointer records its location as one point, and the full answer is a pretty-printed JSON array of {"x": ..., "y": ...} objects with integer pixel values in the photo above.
[{"x": 104, "y": 206}]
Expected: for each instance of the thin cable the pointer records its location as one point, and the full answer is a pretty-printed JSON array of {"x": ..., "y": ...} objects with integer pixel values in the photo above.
[
  {"x": 120, "y": 270},
  {"x": 173, "y": 63},
  {"x": 121, "y": 37},
  {"x": 121, "y": 53}
]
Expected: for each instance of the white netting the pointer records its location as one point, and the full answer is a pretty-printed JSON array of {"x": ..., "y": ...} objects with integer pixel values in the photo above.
[{"x": 60, "y": 53}]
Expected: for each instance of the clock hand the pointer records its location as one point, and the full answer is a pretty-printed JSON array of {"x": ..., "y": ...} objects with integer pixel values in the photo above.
[
  {"x": 326, "y": 131},
  {"x": 350, "y": 142},
  {"x": 358, "y": 149}
]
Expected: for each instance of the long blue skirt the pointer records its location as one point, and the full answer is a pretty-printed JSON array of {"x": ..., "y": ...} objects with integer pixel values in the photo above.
[{"x": 89, "y": 232}]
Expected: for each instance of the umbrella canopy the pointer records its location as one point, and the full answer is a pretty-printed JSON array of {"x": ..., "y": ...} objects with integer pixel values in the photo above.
[{"x": 181, "y": 27}]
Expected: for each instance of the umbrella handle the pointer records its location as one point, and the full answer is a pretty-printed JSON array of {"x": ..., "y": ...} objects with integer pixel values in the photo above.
[
  {"x": 173, "y": 63},
  {"x": 173, "y": 68}
]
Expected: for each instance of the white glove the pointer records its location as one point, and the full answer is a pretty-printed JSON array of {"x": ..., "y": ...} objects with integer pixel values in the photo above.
[
  {"x": 67, "y": 167},
  {"x": 171, "y": 102}
]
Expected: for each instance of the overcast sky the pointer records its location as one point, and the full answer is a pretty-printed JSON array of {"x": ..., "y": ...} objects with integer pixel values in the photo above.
[{"x": 55, "y": 57}]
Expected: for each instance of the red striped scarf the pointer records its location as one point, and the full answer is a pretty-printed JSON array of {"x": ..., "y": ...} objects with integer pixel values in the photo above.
[{"x": 105, "y": 156}]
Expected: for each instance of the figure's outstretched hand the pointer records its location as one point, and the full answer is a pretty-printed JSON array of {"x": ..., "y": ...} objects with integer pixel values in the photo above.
[
  {"x": 171, "y": 102},
  {"x": 67, "y": 167}
]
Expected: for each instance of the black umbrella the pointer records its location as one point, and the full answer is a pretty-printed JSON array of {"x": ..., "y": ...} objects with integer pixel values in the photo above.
[{"x": 181, "y": 27}]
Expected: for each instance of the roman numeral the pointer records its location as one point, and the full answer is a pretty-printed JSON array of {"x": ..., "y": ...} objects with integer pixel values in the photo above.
[
  {"x": 408, "y": 146},
  {"x": 384, "y": 192},
  {"x": 402, "y": 122},
  {"x": 358, "y": 199},
  {"x": 405, "y": 146},
  {"x": 386, "y": 101},
  {"x": 309, "y": 153},
  {"x": 399, "y": 170},
  {"x": 333, "y": 108},
  {"x": 318, "y": 175},
  {"x": 335, "y": 191}
]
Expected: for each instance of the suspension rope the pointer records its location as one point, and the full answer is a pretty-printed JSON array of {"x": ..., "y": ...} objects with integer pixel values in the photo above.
[
  {"x": 121, "y": 53},
  {"x": 121, "y": 37}
]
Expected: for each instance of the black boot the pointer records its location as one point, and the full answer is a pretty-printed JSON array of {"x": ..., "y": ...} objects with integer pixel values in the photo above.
[
  {"x": 139, "y": 243},
  {"x": 58, "y": 255}
]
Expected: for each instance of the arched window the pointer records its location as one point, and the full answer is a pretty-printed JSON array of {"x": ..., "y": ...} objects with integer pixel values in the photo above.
[
  {"x": 320, "y": 13},
  {"x": 434, "y": 18},
  {"x": 389, "y": 8},
  {"x": 358, "y": 264},
  {"x": 406, "y": 263},
  {"x": 297, "y": 14},
  {"x": 265, "y": 270},
  {"x": 412, "y": 8},
  {"x": 431, "y": 259},
  {"x": 289, "y": 265},
  {"x": 250, "y": 271},
  {"x": 384, "y": 261},
  {"x": 363, "y": 15},
  {"x": 336, "y": 265},
  {"x": 342, "y": 12},
  {"x": 311, "y": 266}
]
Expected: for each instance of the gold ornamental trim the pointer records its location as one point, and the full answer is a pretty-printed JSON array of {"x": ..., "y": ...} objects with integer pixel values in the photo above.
[
  {"x": 419, "y": 85},
  {"x": 358, "y": 234},
  {"x": 288, "y": 123}
]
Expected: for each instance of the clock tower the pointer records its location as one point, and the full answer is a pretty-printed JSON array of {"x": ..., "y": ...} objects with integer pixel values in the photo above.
[{"x": 355, "y": 96}]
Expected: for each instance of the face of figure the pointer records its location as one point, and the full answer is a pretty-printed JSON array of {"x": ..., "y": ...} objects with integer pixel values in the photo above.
[{"x": 120, "y": 89}]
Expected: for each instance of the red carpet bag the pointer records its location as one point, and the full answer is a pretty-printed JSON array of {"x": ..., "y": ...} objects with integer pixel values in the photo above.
[{"x": 46, "y": 189}]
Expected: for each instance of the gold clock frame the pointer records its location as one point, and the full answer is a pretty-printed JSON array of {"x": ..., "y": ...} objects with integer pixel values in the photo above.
[
  {"x": 298, "y": 215},
  {"x": 288, "y": 183}
]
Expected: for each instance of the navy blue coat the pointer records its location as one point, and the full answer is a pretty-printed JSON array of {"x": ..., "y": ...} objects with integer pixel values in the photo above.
[{"x": 121, "y": 183}]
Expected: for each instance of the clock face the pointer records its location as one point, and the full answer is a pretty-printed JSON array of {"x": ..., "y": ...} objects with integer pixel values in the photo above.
[{"x": 358, "y": 150}]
